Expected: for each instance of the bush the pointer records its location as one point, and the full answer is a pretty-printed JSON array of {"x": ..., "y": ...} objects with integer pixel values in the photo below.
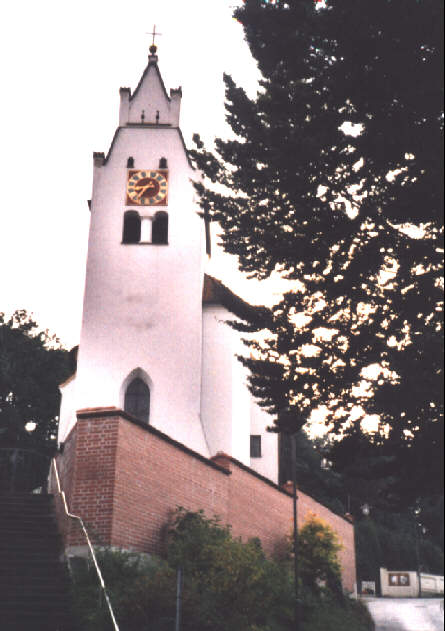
[
  {"x": 140, "y": 591},
  {"x": 228, "y": 585},
  {"x": 318, "y": 549}
]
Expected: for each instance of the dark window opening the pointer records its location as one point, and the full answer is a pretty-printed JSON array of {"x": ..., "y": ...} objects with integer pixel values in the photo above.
[
  {"x": 255, "y": 446},
  {"x": 159, "y": 232},
  {"x": 163, "y": 163},
  {"x": 137, "y": 400},
  {"x": 130, "y": 162},
  {"x": 132, "y": 227}
]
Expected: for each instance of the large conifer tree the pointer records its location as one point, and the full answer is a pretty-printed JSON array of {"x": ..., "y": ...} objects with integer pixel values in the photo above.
[{"x": 334, "y": 179}]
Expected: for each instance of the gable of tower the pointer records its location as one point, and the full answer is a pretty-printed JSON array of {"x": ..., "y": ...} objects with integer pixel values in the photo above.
[{"x": 150, "y": 104}]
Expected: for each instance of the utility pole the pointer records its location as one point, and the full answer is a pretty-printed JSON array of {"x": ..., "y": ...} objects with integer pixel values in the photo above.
[
  {"x": 294, "y": 480},
  {"x": 178, "y": 599}
]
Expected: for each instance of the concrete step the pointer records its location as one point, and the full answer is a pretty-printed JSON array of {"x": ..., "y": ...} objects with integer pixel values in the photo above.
[{"x": 34, "y": 583}]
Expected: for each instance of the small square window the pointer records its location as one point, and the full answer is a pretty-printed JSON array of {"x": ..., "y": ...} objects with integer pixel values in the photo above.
[{"x": 255, "y": 446}]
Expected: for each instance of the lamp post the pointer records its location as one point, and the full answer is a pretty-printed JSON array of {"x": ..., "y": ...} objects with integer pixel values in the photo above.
[
  {"x": 294, "y": 498},
  {"x": 292, "y": 421},
  {"x": 419, "y": 530},
  {"x": 366, "y": 511},
  {"x": 179, "y": 581}
]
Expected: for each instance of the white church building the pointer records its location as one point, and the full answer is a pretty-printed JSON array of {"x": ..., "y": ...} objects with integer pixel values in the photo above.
[{"x": 155, "y": 340}]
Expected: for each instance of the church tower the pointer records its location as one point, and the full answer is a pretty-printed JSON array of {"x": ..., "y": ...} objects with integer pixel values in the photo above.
[
  {"x": 141, "y": 339},
  {"x": 155, "y": 344}
]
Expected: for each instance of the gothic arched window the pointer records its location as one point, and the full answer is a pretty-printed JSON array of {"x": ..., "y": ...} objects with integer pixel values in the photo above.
[
  {"x": 137, "y": 399},
  {"x": 132, "y": 227},
  {"x": 159, "y": 232}
]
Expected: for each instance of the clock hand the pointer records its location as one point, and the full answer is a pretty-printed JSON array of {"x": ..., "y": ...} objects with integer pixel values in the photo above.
[{"x": 144, "y": 188}]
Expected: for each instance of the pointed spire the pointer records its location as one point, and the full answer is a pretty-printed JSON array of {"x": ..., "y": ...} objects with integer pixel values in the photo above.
[{"x": 150, "y": 104}]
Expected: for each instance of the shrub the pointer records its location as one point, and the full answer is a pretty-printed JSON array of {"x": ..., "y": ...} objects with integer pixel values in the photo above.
[{"x": 228, "y": 585}]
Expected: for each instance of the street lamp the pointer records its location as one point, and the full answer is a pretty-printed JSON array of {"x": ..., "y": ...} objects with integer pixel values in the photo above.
[
  {"x": 293, "y": 422},
  {"x": 366, "y": 509},
  {"x": 419, "y": 530}
]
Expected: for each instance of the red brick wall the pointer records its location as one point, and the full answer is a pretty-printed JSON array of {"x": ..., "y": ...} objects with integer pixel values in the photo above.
[
  {"x": 127, "y": 481},
  {"x": 65, "y": 466},
  {"x": 94, "y": 476},
  {"x": 153, "y": 477}
]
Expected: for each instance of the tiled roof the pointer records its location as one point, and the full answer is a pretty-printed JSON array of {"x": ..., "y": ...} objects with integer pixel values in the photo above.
[{"x": 214, "y": 292}]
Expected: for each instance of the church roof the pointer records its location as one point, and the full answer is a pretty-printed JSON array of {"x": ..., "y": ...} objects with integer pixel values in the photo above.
[{"x": 214, "y": 292}]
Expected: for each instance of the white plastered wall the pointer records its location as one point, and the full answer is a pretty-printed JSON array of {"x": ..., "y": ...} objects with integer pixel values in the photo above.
[
  {"x": 216, "y": 385},
  {"x": 267, "y": 465},
  {"x": 67, "y": 413},
  {"x": 142, "y": 304},
  {"x": 228, "y": 411}
]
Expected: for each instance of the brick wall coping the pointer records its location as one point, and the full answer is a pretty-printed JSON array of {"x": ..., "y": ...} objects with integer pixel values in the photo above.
[
  {"x": 112, "y": 411},
  {"x": 243, "y": 466},
  {"x": 283, "y": 488}
]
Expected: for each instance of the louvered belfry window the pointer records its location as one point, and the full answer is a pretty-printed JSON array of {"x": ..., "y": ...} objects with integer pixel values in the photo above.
[
  {"x": 132, "y": 227},
  {"x": 160, "y": 228}
]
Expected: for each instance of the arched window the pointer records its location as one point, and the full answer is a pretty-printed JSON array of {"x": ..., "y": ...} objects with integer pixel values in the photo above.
[
  {"x": 132, "y": 227},
  {"x": 159, "y": 232},
  {"x": 137, "y": 399},
  {"x": 163, "y": 163}
]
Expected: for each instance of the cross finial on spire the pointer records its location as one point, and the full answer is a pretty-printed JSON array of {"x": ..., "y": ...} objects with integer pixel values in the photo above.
[{"x": 153, "y": 48}]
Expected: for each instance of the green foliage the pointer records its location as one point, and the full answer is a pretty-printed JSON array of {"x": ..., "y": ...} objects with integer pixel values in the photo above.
[
  {"x": 395, "y": 542},
  {"x": 318, "y": 549},
  {"x": 32, "y": 365},
  {"x": 140, "y": 591},
  {"x": 226, "y": 575},
  {"x": 331, "y": 209},
  {"x": 353, "y": 616},
  {"x": 370, "y": 471},
  {"x": 323, "y": 484},
  {"x": 227, "y": 585}
]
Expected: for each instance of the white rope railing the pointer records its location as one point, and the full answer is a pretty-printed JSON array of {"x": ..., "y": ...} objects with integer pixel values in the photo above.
[{"x": 90, "y": 546}]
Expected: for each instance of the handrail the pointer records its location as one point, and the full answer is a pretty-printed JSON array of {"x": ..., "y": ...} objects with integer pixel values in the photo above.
[{"x": 96, "y": 565}]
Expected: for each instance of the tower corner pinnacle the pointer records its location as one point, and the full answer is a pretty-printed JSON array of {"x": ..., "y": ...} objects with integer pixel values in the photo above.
[
  {"x": 98, "y": 158},
  {"x": 176, "y": 92}
]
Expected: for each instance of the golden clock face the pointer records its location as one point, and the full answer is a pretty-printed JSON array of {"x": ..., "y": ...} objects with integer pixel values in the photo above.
[{"x": 147, "y": 188}]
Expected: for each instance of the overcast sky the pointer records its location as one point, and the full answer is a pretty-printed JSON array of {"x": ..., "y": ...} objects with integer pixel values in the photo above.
[{"x": 63, "y": 65}]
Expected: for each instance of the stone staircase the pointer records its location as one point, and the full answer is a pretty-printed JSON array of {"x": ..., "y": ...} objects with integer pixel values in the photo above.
[{"x": 34, "y": 582}]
